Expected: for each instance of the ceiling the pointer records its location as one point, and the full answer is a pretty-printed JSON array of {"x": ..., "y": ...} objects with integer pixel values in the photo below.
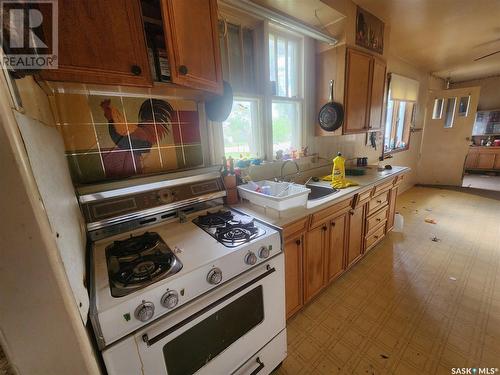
[{"x": 443, "y": 36}]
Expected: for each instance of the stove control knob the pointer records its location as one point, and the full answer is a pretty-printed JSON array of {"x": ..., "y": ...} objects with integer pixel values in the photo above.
[
  {"x": 214, "y": 277},
  {"x": 264, "y": 252},
  {"x": 144, "y": 311},
  {"x": 250, "y": 258},
  {"x": 170, "y": 299}
]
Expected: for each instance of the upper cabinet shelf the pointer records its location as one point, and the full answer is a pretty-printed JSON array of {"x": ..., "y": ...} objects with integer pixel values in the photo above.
[{"x": 110, "y": 42}]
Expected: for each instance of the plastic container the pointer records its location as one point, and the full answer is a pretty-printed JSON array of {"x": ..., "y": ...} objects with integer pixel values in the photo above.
[
  {"x": 399, "y": 222},
  {"x": 282, "y": 195}
]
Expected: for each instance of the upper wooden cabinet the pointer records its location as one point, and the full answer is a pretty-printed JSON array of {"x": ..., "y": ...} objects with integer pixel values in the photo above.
[
  {"x": 193, "y": 43},
  {"x": 377, "y": 94},
  {"x": 364, "y": 92},
  {"x": 101, "y": 42},
  {"x": 104, "y": 42}
]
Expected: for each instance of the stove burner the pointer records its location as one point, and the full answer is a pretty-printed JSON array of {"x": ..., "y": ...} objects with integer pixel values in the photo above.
[
  {"x": 139, "y": 261},
  {"x": 215, "y": 219},
  {"x": 236, "y": 234}
]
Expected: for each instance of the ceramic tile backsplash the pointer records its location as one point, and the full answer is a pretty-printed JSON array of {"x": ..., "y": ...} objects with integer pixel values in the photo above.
[{"x": 112, "y": 137}]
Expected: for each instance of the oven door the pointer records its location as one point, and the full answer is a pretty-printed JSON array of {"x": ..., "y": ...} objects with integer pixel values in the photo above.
[{"x": 215, "y": 334}]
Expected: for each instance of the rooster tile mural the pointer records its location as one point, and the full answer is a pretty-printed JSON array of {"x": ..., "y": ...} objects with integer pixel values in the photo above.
[{"x": 112, "y": 137}]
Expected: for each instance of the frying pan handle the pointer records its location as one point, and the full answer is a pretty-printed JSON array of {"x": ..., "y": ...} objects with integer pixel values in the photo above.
[{"x": 331, "y": 90}]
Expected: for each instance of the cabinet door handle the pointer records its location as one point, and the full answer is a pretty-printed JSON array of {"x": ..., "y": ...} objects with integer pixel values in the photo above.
[
  {"x": 324, "y": 228},
  {"x": 183, "y": 70},
  {"x": 332, "y": 223},
  {"x": 297, "y": 242},
  {"x": 136, "y": 70},
  {"x": 351, "y": 211}
]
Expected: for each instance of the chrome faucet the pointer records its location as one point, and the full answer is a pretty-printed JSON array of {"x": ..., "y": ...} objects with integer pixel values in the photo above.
[{"x": 297, "y": 173}]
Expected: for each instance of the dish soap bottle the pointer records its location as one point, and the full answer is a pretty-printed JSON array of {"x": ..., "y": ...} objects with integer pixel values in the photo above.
[{"x": 338, "y": 172}]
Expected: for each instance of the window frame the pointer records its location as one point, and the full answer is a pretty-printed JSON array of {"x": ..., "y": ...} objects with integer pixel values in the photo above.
[{"x": 269, "y": 98}]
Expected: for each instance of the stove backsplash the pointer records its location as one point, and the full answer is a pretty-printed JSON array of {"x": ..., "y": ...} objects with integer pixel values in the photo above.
[{"x": 112, "y": 137}]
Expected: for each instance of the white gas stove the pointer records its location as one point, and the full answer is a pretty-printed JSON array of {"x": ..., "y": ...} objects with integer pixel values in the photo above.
[{"x": 189, "y": 286}]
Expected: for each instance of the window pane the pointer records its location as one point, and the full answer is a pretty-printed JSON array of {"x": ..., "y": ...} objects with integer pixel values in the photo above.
[
  {"x": 281, "y": 89},
  {"x": 400, "y": 124},
  {"x": 240, "y": 130},
  {"x": 285, "y": 126},
  {"x": 437, "y": 111},
  {"x": 388, "y": 125},
  {"x": 292, "y": 69},
  {"x": 272, "y": 59},
  {"x": 450, "y": 112}
]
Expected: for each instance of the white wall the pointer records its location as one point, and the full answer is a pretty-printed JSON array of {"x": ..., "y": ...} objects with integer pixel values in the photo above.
[{"x": 489, "y": 98}]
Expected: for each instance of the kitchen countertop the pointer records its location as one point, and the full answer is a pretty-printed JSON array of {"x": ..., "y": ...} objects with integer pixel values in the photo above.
[{"x": 280, "y": 219}]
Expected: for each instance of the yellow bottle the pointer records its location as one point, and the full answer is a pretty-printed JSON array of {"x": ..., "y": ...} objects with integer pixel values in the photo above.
[
  {"x": 338, "y": 171},
  {"x": 338, "y": 174}
]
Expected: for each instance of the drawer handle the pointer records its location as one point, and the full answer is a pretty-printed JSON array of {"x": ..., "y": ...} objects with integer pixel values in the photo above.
[
  {"x": 297, "y": 242},
  {"x": 351, "y": 211},
  {"x": 379, "y": 219},
  {"x": 376, "y": 237},
  {"x": 379, "y": 201},
  {"x": 260, "y": 367}
]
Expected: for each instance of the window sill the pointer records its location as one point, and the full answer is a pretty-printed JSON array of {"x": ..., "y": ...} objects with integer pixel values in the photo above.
[{"x": 395, "y": 151}]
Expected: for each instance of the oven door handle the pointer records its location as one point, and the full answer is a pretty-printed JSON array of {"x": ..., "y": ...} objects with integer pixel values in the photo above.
[
  {"x": 261, "y": 366},
  {"x": 190, "y": 318}
]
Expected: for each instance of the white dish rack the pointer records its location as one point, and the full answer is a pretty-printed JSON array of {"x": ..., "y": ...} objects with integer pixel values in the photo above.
[{"x": 282, "y": 195}]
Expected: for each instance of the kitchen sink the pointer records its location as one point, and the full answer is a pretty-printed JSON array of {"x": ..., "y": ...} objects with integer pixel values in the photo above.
[{"x": 318, "y": 192}]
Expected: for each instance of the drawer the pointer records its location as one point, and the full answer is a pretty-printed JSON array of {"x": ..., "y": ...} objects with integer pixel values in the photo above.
[
  {"x": 362, "y": 198},
  {"x": 383, "y": 187},
  {"x": 375, "y": 237},
  {"x": 295, "y": 227},
  {"x": 376, "y": 219},
  {"x": 321, "y": 216},
  {"x": 378, "y": 202}
]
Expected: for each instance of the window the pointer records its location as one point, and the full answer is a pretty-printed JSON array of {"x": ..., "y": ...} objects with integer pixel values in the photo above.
[
  {"x": 397, "y": 125},
  {"x": 401, "y": 104},
  {"x": 241, "y": 130},
  {"x": 451, "y": 103},
  {"x": 268, "y": 107},
  {"x": 285, "y": 64}
]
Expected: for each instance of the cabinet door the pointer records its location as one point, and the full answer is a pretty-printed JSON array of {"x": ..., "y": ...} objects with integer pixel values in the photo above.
[
  {"x": 101, "y": 42},
  {"x": 392, "y": 208},
  {"x": 356, "y": 234},
  {"x": 357, "y": 91},
  {"x": 471, "y": 161},
  {"x": 497, "y": 160},
  {"x": 377, "y": 94},
  {"x": 486, "y": 160},
  {"x": 193, "y": 43},
  {"x": 336, "y": 247},
  {"x": 314, "y": 261},
  {"x": 293, "y": 274}
]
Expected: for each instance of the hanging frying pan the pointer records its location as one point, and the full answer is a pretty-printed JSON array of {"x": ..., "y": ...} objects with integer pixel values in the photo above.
[
  {"x": 219, "y": 108},
  {"x": 331, "y": 115}
]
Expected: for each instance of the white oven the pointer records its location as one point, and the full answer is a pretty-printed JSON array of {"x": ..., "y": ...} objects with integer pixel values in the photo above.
[{"x": 239, "y": 328}]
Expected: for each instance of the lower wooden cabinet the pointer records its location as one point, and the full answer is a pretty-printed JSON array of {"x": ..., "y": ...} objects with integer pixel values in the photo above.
[
  {"x": 483, "y": 158},
  {"x": 321, "y": 247},
  {"x": 356, "y": 235},
  {"x": 294, "y": 251},
  {"x": 314, "y": 261},
  {"x": 336, "y": 247}
]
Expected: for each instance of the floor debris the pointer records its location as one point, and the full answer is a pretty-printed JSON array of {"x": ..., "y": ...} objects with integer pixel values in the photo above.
[
  {"x": 435, "y": 239},
  {"x": 453, "y": 278},
  {"x": 430, "y": 221}
]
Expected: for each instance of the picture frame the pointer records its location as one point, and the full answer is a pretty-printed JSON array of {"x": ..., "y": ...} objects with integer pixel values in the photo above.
[
  {"x": 463, "y": 106},
  {"x": 369, "y": 31}
]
